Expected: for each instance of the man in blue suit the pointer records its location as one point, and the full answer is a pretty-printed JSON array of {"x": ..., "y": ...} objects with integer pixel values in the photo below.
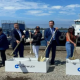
[
  {"x": 17, "y": 34},
  {"x": 47, "y": 35}
]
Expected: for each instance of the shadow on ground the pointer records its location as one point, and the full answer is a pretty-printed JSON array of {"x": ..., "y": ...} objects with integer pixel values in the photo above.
[
  {"x": 58, "y": 62},
  {"x": 51, "y": 69},
  {"x": 17, "y": 78},
  {"x": 0, "y": 63}
]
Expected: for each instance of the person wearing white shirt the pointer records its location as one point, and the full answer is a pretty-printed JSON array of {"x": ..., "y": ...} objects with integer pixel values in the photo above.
[{"x": 36, "y": 41}]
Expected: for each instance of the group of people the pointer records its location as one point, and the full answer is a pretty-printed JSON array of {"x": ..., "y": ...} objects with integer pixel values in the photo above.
[{"x": 17, "y": 35}]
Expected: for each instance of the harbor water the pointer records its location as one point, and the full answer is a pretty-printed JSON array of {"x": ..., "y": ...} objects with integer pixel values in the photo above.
[{"x": 43, "y": 43}]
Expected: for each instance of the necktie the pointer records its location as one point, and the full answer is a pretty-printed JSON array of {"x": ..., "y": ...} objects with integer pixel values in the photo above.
[{"x": 52, "y": 31}]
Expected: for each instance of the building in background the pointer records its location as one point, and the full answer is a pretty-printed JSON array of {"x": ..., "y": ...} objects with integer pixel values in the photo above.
[{"x": 7, "y": 26}]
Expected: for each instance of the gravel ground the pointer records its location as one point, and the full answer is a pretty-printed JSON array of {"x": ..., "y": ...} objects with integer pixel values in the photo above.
[{"x": 55, "y": 72}]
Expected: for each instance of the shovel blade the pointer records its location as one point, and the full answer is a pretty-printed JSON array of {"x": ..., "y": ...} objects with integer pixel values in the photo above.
[
  {"x": 39, "y": 58},
  {"x": 72, "y": 58}
]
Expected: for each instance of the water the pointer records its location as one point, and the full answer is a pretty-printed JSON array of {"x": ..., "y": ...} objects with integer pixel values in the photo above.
[
  {"x": 43, "y": 25},
  {"x": 43, "y": 43},
  {"x": 63, "y": 30}
]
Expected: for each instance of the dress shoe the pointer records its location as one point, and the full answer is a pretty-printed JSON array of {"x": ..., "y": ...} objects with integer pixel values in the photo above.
[
  {"x": 3, "y": 64},
  {"x": 52, "y": 63}
]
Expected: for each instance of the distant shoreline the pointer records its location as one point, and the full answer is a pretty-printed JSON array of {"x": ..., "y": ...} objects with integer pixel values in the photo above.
[{"x": 46, "y": 28}]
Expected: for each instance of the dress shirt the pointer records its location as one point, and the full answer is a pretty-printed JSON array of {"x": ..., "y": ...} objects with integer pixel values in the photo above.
[
  {"x": 19, "y": 33},
  {"x": 52, "y": 31}
]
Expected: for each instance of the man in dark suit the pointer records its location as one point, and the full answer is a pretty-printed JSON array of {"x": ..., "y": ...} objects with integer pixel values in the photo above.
[
  {"x": 47, "y": 35},
  {"x": 17, "y": 34}
]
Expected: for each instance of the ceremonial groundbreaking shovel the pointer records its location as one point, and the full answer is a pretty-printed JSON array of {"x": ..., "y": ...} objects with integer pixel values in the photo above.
[
  {"x": 30, "y": 45},
  {"x": 73, "y": 58},
  {"x": 42, "y": 58},
  {"x": 12, "y": 54}
]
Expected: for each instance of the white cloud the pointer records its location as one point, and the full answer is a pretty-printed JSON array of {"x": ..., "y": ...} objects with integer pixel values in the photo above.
[
  {"x": 67, "y": 13},
  {"x": 43, "y": 14},
  {"x": 73, "y": 6},
  {"x": 37, "y": 13},
  {"x": 10, "y": 13},
  {"x": 21, "y": 4},
  {"x": 9, "y": 8},
  {"x": 69, "y": 9},
  {"x": 62, "y": 12},
  {"x": 56, "y": 7},
  {"x": 34, "y": 11}
]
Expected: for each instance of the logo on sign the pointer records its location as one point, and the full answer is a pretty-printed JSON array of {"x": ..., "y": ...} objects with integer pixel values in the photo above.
[
  {"x": 79, "y": 69},
  {"x": 30, "y": 66},
  {"x": 16, "y": 66}
]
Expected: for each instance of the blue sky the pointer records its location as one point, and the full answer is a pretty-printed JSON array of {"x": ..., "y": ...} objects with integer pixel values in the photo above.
[{"x": 63, "y": 12}]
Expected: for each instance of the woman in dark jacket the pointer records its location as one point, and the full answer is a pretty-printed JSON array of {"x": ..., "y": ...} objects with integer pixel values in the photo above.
[
  {"x": 36, "y": 40},
  {"x": 3, "y": 46}
]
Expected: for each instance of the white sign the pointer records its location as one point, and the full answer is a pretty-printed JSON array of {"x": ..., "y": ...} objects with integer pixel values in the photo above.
[
  {"x": 73, "y": 67},
  {"x": 26, "y": 65}
]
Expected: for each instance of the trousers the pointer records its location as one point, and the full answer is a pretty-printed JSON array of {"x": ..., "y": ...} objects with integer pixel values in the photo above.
[
  {"x": 3, "y": 56},
  {"x": 36, "y": 50},
  {"x": 53, "y": 46},
  {"x": 20, "y": 49},
  {"x": 69, "y": 49}
]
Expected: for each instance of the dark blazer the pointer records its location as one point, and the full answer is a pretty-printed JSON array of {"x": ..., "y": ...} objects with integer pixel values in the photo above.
[
  {"x": 3, "y": 42},
  {"x": 48, "y": 35},
  {"x": 15, "y": 36},
  {"x": 36, "y": 39}
]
